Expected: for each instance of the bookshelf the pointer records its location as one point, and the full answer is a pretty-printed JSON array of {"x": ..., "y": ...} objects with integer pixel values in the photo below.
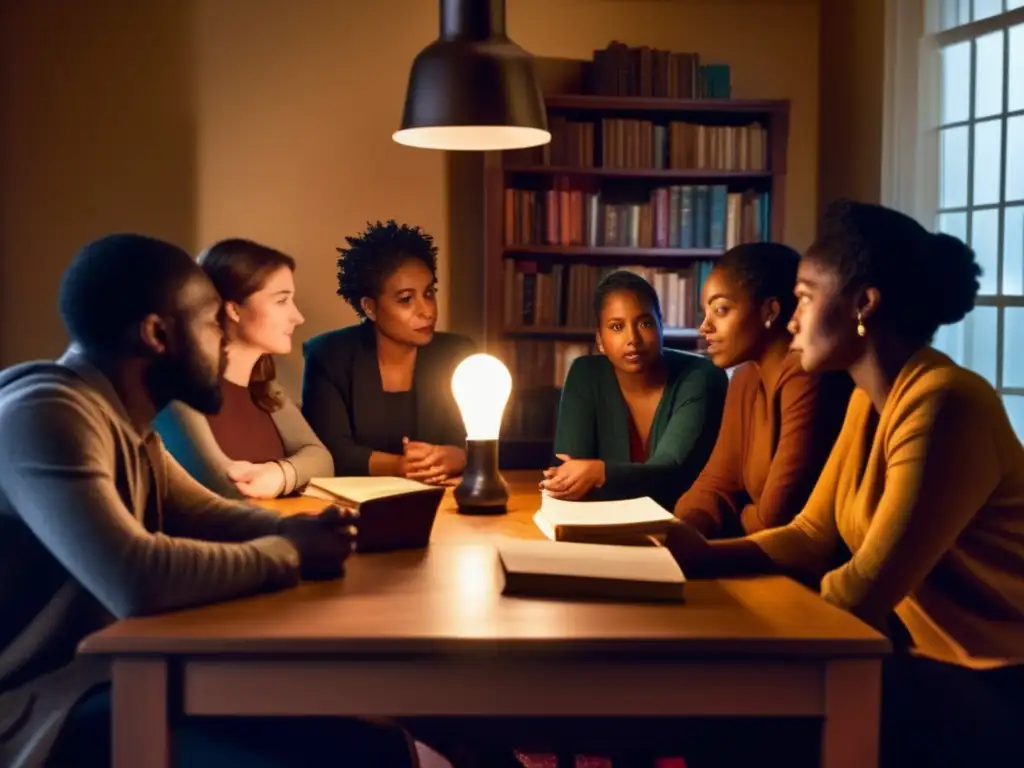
[{"x": 658, "y": 185}]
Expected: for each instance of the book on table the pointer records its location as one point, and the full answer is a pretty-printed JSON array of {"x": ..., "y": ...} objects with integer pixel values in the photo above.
[
  {"x": 576, "y": 571},
  {"x": 633, "y": 521},
  {"x": 394, "y": 512}
]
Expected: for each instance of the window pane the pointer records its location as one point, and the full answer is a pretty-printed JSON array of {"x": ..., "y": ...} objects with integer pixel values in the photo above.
[
  {"x": 1014, "y": 159},
  {"x": 953, "y": 13},
  {"x": 985, "y": 241},
  {"x": 947, "y": 14},
  {"x": 1013, "y": 255},
  {"x": 988, "y": 157},
  {"x": 1016, "y": 67},
  {"x": 1011, "y": 4},
  {"x": 954, "y": 224},
  {"x": 963, "y": 14},
  {"x": 985, "y": 8},
  {"x": 1013, "y": 360},
  {"x": 1015, "y": 410},
  {"x": 988, "y": 75},
  {"x": 954, "y": 168},
  {"x": 950, "y": 339},
  {"x": 980, "y": 344},
  {"x": 956, "y": 82}
]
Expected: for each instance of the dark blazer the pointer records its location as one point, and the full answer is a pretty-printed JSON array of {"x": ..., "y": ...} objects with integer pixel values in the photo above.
[
  {"x": 342, "y": 393},
  {"x": 593, "y": 423}
]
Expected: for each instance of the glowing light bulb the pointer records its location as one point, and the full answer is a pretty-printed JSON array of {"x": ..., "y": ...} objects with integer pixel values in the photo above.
[{"x": 481, "y": 385}]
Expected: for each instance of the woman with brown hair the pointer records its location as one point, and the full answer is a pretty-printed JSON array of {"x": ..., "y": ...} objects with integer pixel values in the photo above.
[{"x": 258, "y": 445}]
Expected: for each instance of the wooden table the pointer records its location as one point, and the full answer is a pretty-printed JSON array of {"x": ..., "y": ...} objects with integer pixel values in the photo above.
[{"x": 427, "y": 633}]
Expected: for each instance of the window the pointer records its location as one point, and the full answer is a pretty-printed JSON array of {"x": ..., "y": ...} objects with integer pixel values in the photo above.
[{"x": 980, "y": 180}]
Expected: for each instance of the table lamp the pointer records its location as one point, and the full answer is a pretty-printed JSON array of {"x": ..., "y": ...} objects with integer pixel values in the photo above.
[{"x": 481, "y": 385}]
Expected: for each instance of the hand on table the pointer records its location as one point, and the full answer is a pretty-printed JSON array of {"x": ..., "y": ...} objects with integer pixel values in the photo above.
[
  {"x": 323, "y": 540},
  {"x": 433, "y": 464},
  {"x": 573, "y": 478},
  {"x": 689, "y": 548},
  {"x": 257, "y": 481}
]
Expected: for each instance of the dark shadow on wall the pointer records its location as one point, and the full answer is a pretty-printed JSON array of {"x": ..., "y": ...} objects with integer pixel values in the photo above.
[
  {"x": 98, "y": 135},
  {"x": 464, "y": 173},
  {"x": 850, "y": 101}
]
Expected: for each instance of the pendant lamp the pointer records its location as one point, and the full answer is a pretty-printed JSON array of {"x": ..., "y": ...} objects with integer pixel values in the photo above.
[{"x": 473, "y": 88}]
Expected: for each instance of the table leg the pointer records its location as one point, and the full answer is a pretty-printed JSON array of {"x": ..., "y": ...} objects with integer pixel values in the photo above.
[
  {"x": 853, "y": 703},
  {"x": 139, "y": 713}
]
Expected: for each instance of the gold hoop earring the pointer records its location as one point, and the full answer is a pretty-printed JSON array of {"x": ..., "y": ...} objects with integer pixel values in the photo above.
[{"x": 861, "y": 330}]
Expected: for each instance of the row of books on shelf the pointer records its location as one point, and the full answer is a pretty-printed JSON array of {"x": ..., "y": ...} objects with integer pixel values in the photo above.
[
  {"x": 538, "y": 364},
  {"x": 552, "y": 296},
  {"x": 626, "y": 144},
  {"x": 678, "y": 216},
  {"x": 621, "y": 70},
  {"x": 539, "y": 369}
]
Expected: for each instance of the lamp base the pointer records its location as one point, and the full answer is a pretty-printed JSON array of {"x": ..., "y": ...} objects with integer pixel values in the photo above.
[{"x": 483, "y": 491}]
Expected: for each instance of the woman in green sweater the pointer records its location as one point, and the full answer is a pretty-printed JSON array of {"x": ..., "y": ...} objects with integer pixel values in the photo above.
[{"x": 636, "y": 419}]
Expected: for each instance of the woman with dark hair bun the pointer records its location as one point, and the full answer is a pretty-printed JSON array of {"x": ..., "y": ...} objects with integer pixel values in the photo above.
[
  {"x": 379, "y": 394},
  {"x": 921, "y": 502},
  {"x": 258, "y": 445},
  {"x": 780, "y": 422},
  {"x": 636, "y": 419}
]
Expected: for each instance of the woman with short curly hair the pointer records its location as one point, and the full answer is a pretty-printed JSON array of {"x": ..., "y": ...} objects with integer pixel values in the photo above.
[{"x": 379, "y": 393}]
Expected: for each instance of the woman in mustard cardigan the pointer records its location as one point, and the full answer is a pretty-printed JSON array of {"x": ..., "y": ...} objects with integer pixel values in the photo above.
[{"x": 921, "y": 500}]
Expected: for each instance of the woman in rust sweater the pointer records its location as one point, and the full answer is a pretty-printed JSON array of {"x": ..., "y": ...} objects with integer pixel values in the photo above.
[
  {"x": 779, "y": 422},
  {"x": 916, "y": 525}
]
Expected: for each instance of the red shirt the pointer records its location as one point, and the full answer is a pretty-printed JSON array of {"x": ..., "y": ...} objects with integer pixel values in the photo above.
[
  {"x": 638, "y": 450},
  {"x": 244, "y": 431}
]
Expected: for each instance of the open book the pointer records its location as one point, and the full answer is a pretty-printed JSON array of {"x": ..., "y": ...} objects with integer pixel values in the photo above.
[
  {"x": 588, "y": 571},
  {"x": 597, "y": 521},
  {"x": 394, "y": 512}
]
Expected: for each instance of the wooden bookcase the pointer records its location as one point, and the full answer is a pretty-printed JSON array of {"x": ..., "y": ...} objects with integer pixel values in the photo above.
[{"x": 654, "y": 184}]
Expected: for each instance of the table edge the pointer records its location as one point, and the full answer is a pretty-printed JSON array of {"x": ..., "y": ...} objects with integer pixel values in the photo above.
[{"x": 669, "y": 649}]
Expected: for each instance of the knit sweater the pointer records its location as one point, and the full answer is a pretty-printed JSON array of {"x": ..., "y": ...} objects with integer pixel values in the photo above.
[
  {"x": 593, "y": 423},
  {"x": 930, "y": 502},
  {"x": 770, "y": 450}
]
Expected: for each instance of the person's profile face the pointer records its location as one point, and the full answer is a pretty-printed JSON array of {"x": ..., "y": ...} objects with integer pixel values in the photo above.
[
  {"x": 733, "y": 326},
  {"x": 191, "y": 367},
  {"x": 268, "y": 318},
  {"x": 824, "y": 325}
]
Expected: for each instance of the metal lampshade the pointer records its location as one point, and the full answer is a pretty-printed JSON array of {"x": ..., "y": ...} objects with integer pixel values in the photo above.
[{"x": 473, "y": 88}]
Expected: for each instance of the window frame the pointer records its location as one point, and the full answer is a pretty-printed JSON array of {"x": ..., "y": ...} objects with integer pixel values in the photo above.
[{"x": 928, "y": 106}]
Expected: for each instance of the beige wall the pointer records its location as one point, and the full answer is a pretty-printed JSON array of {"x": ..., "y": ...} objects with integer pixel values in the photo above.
[
  {"x": 272, "y": 120},
  {"x": 852, "y": 75}
]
